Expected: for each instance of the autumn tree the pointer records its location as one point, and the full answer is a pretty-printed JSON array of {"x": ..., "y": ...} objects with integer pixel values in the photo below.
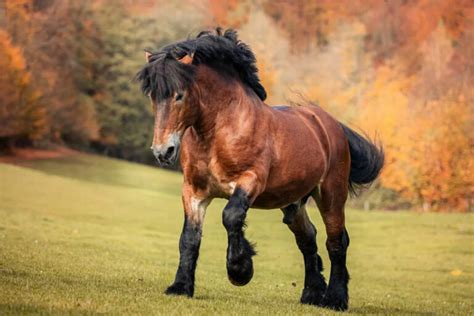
[
  {"x": 22, "y": 116},
  {"x": 124, "y": 114},
  {"x": 59, "y": 43},
  {"x": 228, "y": 13},
  {"x": 401, "y": 70}
]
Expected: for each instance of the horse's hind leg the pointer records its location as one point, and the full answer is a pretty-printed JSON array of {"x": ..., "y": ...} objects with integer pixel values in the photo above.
[
  {"x": 331, "y": 199},
  {"x": 297, "y": 219}
]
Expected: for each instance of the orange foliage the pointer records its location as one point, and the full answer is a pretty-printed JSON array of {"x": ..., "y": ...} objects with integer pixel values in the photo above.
[
  {"x": 401, "y": 70},
  {"x": 228, "y": 13},
  {"x": 425, "y": 122},
  {"x": 20, "y": 113},
  {"x": 431, "y": 155},
  {"x": 267, "y": 76},
  {"x": 306, "y": 23}
]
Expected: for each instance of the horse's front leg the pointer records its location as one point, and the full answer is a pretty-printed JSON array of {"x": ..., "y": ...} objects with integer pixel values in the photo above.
[
  {"x": 239, "y": 250},
  {"x": 189, "y": 242}
]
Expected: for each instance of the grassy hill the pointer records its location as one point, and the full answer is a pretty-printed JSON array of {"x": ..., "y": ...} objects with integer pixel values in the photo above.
[{"x": 90, "y": 234}]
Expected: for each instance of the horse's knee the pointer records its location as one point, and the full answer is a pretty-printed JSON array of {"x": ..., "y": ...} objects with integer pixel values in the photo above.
[
  {"x": 289, "y": 213},
  {"x": 337, "y": 245},
  {"x": 345, "y": 239},
  {"x": 299, "y": 223},
  {"x": 233, "y": 216}
]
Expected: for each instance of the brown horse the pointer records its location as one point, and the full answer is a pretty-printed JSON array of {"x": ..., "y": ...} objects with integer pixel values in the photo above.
[{"x": 209, "y": 112}]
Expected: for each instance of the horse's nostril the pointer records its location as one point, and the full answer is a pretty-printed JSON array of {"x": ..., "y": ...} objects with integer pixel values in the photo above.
[{"x": 169, "y": 152}]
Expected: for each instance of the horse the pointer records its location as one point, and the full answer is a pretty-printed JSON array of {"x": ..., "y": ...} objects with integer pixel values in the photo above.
[{"x": 210, "y": 114}]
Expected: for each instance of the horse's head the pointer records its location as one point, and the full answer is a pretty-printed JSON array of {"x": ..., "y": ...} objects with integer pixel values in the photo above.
[
  {"x": 176, "y": 88},
  {"x": 167, "y": 81}
]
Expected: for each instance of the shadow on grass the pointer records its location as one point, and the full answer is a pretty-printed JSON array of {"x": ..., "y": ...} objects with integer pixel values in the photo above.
[
  {"x": 22, "y": 309},
  {"x": 381, "y": 310}
]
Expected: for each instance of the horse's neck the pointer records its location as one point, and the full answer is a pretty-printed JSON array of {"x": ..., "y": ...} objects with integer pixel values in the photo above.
[{"x": 225, "y": 104}]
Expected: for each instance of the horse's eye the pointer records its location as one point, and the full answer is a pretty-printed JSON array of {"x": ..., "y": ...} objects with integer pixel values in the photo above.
[{"x": 179, "y": 97}]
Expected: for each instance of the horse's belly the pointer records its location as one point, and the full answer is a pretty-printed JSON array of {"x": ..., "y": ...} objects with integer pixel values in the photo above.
[
  {"x": 281, "y": 198},
  {"x": 284, "y": 189},
  {"x": 271, "y": 200}
]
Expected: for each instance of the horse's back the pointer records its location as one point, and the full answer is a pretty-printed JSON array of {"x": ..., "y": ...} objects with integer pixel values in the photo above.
[{"x": 310, "y": 125}]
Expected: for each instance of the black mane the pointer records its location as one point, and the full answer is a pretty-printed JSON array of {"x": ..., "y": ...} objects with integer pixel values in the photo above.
[{"x": 224, "y": 52}]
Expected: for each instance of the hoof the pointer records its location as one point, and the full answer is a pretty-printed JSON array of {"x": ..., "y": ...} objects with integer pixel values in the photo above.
[
  {"x": 241, "y": 272},
  {"x": 337, "y": 300},
  {"x": 180, "y": 289},
  {"x": 312, "y": 296},
  {"x": 240, "y": 265}
]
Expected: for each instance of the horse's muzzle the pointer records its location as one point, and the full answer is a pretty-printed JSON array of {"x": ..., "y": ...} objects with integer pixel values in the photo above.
[{"x": 166, "y": 156}]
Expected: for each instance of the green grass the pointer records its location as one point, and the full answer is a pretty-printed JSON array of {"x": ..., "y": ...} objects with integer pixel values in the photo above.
[{"x": 95, "y": 235}]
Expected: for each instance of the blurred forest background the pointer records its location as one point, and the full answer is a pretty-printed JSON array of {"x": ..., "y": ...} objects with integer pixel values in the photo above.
[{"x": 401, "y": 70}]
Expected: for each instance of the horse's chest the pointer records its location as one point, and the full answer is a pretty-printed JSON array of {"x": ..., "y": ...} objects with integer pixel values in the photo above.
[{"x": 220, "y": 182}]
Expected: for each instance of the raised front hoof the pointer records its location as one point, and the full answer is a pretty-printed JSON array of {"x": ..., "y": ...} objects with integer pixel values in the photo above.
[
  {"x": 180, "y": 289},
  {"x": 336, "y": 300},
  {"x": 312, "y": 296},
  {"x": 240, "y": 273},
  {"x": 239, "y": 263}
]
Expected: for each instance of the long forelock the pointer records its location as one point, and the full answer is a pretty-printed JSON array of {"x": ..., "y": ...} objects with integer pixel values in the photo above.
[{"x": 163, "y": 76}]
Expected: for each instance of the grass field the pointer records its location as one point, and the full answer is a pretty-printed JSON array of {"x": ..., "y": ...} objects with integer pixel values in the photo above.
[{"x": 95, "y": 235}]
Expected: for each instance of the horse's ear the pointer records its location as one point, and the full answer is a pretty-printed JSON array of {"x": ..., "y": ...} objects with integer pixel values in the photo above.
[
  {"x": 187, "y": 59},
  {"x": 148, "y": 55}
]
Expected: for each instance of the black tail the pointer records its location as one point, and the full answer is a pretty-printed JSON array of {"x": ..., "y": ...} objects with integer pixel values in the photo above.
[{"x": 367, "y": 160}]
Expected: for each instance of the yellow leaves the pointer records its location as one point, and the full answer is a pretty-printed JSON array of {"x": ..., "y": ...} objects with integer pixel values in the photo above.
[
  {"x": 18, "y": 15},
  {"x": 12, "y": 63},
  {"x": 19, "y": 111},
  {"x": 428, "y": 143},
  {"x": 385, "y": 104},
  {"x": 11, "y": 56},
  {"x": 401, "y": 72},
  {"x": 268, "y": 76},
  {"x": 431, "y": 154},
  {"x": 424, "y": 127},
  {"x": 228, "y": 13}
]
